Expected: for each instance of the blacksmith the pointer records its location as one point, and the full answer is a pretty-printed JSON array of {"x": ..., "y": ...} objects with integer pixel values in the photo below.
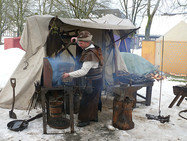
[{"x": 91, "y": 69}]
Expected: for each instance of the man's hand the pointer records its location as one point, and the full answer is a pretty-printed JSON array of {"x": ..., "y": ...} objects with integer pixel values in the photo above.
[{"x": 65, "y": 75}]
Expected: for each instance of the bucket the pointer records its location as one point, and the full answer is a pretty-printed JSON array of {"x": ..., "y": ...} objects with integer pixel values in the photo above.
[{"x": 55, "y": 108}]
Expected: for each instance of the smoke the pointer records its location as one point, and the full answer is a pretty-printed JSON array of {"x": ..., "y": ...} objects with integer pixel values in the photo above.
[{"x": 59, "y": 67}]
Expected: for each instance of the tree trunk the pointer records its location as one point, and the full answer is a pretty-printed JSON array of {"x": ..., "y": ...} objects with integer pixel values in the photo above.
[
  {"x": 18, "y": 33},
  {"x": 1, "y": 39},
  {"x": 148, "y": 29},
  {"x": 150, "y": 18}
]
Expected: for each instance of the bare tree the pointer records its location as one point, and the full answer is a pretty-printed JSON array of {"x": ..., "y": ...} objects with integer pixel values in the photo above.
[
  {"x": 132, "y": 8},
  {"x": 19, "y": 10},
  {"x": 80, "y": 8},
  {"x": 4, "y": 20},
  {"x": 150, "y": 16},
  {"x": 172, "y": 7},
  {"x": 50, "y": 7},
  {"x": 44, "y": 7},
  {"x": 62, "y": 9},
  {"x": 182, "y": 3}
]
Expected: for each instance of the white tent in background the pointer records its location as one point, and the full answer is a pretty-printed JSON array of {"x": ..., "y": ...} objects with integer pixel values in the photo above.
[
  {"x": 33, "y": 41},
  {"x": 177, "y": 33},
  {"x": 175, "y": 49}
]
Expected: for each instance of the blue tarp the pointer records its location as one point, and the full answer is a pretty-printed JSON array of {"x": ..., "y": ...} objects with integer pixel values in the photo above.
[{"x": 124, "y": 45}]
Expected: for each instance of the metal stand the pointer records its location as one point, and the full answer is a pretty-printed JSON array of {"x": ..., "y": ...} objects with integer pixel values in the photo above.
[
  {"x": 131, "y": 90},
  {"x": 162, "y": 119},
  {"x": 69, "y": 90}
]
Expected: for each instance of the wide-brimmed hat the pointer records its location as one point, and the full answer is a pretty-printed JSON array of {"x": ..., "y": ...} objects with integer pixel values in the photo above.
[{"x": 84, "y": 36}]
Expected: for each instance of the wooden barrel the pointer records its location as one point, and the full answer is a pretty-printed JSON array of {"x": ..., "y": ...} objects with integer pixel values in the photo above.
[
  {"x": 122, "y": 114},
  {"x": 55, "y": 108}
]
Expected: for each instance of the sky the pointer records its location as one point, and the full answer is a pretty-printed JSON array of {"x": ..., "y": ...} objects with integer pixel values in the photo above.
[{"x": 161, "y": 24}]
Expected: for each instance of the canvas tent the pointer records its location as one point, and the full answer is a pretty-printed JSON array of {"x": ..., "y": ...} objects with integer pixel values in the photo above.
[
  {"x": 33, "y": 41},
  {"x": 174, "y": 50}
]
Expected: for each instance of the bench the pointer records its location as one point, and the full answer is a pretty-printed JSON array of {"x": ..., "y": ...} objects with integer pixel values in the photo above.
[{"x": 181, "y": 92}]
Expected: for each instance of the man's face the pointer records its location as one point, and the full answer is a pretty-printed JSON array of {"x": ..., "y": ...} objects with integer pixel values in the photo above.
[{"x": 83, "y": 44}]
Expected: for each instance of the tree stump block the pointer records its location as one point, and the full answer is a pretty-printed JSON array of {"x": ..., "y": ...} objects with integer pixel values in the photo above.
[{"x": 122, "y": 114}]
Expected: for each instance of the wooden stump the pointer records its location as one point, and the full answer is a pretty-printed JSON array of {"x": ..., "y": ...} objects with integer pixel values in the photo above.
[{"x": 122, "y": 114}]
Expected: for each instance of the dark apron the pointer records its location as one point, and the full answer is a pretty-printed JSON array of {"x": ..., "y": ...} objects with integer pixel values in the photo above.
[{"x": 90, "y": 99}]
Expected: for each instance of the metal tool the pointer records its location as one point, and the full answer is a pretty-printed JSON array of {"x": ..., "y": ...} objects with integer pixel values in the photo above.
[
  {"x": 19, "y": 125},
  {"x": 13, "y": 84},
  {"x": 162, "y": 119}
]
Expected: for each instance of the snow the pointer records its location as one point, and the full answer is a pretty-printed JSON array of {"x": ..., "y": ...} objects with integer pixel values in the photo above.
[
  {"x": 9, "y": 59},
  {"x": 144, "y": 129}
]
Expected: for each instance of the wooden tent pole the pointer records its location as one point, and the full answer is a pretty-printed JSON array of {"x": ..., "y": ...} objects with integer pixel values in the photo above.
[{"x": 114, "y": 54}]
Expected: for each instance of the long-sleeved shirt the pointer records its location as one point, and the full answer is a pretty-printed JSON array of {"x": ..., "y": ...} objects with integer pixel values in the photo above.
[{"x": 86, "y": 66}]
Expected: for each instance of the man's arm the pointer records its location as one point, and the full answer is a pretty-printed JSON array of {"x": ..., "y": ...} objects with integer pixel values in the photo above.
[{"x": 83, "y": 71}]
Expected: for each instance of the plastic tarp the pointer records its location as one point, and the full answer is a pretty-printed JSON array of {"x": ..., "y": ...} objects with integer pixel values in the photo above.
[
  {"x": 138, "y": 69},
  {"x": 136, "y": 64}
]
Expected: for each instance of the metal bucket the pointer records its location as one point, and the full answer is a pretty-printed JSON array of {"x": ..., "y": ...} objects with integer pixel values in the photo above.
[{"x": 55, "y": 108}]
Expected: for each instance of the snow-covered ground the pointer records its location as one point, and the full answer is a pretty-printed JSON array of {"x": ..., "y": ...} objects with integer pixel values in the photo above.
[
  {"x": 144, "y": 130},
  {"x": 9, "y": 59}
]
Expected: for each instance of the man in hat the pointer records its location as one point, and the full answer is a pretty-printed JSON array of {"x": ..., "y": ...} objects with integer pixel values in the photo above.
[{"x": 92, "y": 60}]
